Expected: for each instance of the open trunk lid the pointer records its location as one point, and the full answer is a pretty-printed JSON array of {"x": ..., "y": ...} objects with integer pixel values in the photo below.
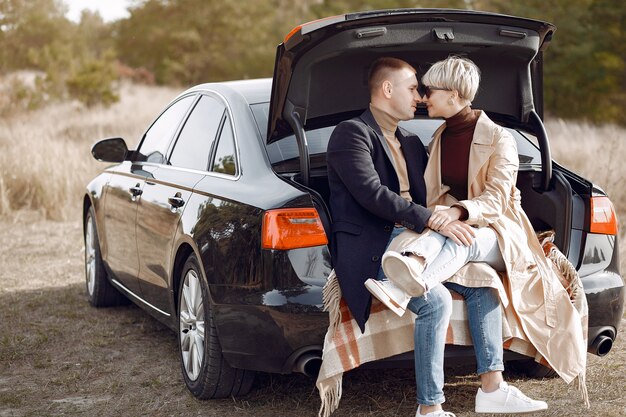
[{"x": 321, "y": 68}]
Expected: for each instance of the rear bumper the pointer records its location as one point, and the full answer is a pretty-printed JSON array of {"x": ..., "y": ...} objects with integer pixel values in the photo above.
[
  {"x": 268, "y": 339},
  {"x": 606, "y": 305}
]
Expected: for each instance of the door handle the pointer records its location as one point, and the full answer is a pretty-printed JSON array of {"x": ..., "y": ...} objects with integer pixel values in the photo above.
[
  {"x": 176, "y": 201},
  {"x": 136, "y": 190}
]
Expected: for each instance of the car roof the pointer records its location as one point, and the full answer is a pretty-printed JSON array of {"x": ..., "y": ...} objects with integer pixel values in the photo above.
[{"x": 253, "y": 91}]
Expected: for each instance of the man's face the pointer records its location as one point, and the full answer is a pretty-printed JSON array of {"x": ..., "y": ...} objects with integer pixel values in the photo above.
[{"x": 404, "y": 95}]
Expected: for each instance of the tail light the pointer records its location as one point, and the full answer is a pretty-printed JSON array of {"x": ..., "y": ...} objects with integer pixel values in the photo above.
[
  {"x": 603, "y": 218},
  {"x": 292, "y": 228}
]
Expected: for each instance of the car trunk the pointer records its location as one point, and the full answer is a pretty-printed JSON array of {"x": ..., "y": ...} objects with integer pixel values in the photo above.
[{"x": 320, "y": 78}]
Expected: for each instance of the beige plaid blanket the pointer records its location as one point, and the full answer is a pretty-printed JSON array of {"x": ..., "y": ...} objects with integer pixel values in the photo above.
[{"x": 386, "y": 334}]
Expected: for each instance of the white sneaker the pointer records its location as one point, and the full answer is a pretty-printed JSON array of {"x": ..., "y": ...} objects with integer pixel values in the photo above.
[
  {"x": 394, "y": 298},
  {"x": 439, "y": 413},
  {"x": 405, "y": 271},
  {"x": 507, "y": 399}
]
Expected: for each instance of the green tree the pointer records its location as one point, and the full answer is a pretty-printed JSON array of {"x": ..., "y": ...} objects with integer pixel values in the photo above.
[
  {"x": 92, "y": 36},
  {"x": 608, "y": 19},
  {"x": 197, "y": 41},
  {"x": 30, "y": 29},
  {"x": 584, "y": 68},
  {"x": 34, "y": 34}
]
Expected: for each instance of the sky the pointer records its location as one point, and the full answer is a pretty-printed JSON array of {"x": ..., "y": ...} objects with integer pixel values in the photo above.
[{"x": 108, "y": 9}]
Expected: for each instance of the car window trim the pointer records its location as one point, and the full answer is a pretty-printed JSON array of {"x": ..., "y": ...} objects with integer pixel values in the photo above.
[
  {"x": 179, "y": 130},
  {"x": 181, "y": 126},
  {"x": 215, "y": 143},
  {"x": 235, "y": 138},
  {"x": 176, "y": 132},
  {"x": 216, "y": 146},
  {"x": 197, "y": 171},
  {"x": 229, "y": 112}
]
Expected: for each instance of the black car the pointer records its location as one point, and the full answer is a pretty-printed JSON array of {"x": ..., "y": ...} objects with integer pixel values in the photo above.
[{"x": 217, "y": 224}]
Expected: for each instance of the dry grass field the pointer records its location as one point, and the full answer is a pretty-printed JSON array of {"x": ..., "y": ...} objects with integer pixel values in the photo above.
[
  {"x": 45, "y": 159},
  {"x": 59, "y": 356}
]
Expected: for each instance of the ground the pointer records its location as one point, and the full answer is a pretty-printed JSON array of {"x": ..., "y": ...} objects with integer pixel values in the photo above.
[{"x": 60, "y": 356}]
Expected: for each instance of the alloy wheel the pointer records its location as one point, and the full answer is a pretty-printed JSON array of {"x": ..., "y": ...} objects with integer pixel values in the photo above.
[
  {"x": 191, "y": 328},
  {"x": 90, "y": 255}
]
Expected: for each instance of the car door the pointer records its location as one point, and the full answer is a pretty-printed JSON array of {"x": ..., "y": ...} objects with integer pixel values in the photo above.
[
  {"x": 124, "y": 192},
  {"x": 165, "y": 195},
  {"x": 120, "y": 210},
  {"x": 227, "y": 225}
]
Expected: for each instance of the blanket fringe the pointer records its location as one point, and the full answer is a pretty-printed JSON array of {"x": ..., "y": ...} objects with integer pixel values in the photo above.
[
  {"x": 571, "y": 281},
  {"x": 331, "y": 297},
  {"x": 582, "y": 387},
  {"x": 330, "y": 396}
]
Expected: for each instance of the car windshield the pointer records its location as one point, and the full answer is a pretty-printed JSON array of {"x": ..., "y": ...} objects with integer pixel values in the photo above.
[{"x": 283, "y": 154}]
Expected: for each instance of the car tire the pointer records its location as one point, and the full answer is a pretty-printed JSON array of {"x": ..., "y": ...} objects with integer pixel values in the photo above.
[
  {"x": 100, "y": 291},
  {"x": 530, "y": 369},
  {"x": 205, "y": 371}
]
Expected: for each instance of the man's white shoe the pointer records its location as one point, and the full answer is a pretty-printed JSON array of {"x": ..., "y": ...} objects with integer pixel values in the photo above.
[
  {"x": 394, "y": 298},
  {"x": 507, "y": 399},
  {"x": 405, "y": 271}
]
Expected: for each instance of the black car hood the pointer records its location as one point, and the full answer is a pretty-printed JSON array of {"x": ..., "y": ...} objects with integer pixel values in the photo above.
[{"x": 321, "y": 68}]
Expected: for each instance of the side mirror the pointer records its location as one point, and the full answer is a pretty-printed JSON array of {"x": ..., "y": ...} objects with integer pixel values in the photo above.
[{"x": 110, "y": 150}]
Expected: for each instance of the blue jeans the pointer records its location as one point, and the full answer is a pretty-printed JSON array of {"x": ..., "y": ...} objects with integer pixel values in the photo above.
[
  {"x": 444, "y": 257},
  {"x": 485, "y": 323},
  {"x": 431, "y": 325}
]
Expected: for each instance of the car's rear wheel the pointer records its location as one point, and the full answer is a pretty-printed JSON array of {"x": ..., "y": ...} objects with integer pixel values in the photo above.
[
  {"x": 206, "y": 372},
  {"x": 99, "y": 290}
]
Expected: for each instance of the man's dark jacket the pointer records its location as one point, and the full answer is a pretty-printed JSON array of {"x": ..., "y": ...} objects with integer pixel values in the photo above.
[{"x": 365, "y": 202}]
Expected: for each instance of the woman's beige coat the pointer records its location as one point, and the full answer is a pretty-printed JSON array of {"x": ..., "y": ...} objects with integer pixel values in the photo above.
[{"x": 535, "y": 300}]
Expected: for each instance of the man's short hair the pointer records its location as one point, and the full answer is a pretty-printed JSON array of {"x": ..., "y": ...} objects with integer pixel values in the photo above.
[{"x": 382, "y": 67}]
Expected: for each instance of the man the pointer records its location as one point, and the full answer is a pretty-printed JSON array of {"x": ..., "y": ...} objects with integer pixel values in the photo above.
[{"x": 377, "y": 190}]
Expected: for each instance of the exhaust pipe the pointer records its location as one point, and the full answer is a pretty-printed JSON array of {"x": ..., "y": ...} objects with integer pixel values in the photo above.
[
  {"x": 601, "y": 346},
  {"x": 309, "y": 364}
]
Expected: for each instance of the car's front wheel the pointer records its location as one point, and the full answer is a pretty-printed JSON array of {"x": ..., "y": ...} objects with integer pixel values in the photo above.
[
  {"x": 206, "y": 372},
  {"x": 99, "y": 290}
]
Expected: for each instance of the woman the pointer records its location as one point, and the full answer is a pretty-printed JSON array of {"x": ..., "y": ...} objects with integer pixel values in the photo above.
[{"x": 470, "y": 178}]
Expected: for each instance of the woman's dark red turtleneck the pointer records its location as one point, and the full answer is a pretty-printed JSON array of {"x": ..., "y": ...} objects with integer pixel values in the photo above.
[{"x": 456, "y": 141}]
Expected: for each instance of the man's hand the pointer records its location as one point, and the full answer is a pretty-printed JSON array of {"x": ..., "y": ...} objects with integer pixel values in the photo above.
[
  {"x": 461, "y": 233},
  {"x": 440, "y": 219}
]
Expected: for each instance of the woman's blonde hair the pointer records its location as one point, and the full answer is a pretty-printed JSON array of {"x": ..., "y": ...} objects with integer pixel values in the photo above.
[{"x": 454, "y": 73}]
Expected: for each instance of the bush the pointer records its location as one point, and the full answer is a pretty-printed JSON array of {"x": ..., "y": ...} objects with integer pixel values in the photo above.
[
  {"x": 21, "y": 91},
  {"x": 94, "y": 83}
]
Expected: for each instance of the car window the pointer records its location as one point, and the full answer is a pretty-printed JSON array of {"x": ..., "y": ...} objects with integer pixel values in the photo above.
[
  {"x": 157, "y": 139},
  {"x": 527, "y": 147},
  {"x": 287, "y": 148},
  {"x": 196, "y": 138},
  {"x": 225, "y": 160}
]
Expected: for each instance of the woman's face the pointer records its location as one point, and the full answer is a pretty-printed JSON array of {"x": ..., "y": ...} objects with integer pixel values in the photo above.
[{"x": 437, "y": 103}]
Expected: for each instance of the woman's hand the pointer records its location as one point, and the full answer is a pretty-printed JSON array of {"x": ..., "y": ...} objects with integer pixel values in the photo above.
[
  {"x": 461, "y": 233},
  {"x": 442, "y": 218}
]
